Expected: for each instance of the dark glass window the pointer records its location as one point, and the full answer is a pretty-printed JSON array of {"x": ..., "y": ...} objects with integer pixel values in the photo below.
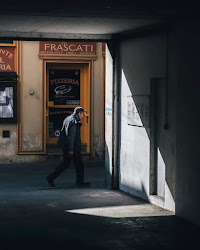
[
  {"x": 64, "y": 86},
  {"x": 56, "y": 117}
]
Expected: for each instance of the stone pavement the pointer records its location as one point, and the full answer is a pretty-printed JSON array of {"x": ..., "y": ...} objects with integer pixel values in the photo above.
[{"x": 33, "y": 216}]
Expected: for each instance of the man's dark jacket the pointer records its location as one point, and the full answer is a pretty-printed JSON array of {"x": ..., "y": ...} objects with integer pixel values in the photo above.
[{"x": 70, "y": 136}]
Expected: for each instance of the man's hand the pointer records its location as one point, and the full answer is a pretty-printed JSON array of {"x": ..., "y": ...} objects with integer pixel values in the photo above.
[{"x": 70, "y": 153}]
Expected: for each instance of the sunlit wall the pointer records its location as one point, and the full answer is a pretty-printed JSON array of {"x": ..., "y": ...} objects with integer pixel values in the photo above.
[{"x": 142, "y": 60}]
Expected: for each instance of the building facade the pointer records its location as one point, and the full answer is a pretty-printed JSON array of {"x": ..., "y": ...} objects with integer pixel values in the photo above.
[{"x": 52, "y": 78}]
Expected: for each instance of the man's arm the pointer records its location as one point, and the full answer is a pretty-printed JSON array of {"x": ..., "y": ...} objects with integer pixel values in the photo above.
[{"x": 71, "y": 136}]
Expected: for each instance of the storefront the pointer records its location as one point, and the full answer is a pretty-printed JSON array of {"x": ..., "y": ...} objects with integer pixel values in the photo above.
[{"x": 52, "y": 78}]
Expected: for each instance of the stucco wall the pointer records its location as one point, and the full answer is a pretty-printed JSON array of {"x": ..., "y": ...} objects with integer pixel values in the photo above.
[
  {"x": 31, "y": 105},
  {"x": 97, "y": 115},
  {"x": 31, "y": 109},
  {"x": 8, "y": 145},
  {"x": 8, "y": 148},
  {"x": 143, "y": 59}
]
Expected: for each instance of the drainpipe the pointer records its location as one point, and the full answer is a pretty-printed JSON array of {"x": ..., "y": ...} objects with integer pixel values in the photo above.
[
  {"x": 166, "y": 125},
  {"x": 116, "y": 114}
]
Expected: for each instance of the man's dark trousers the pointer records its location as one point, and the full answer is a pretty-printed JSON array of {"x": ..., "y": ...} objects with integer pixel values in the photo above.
[{"x": 78, "y": 163}]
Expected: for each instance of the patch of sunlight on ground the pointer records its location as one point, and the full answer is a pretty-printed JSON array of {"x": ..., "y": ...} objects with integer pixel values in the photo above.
[{"x": 146, "y": 210}]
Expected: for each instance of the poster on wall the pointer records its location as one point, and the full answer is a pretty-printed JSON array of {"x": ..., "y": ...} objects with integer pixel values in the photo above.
[
  {"x": 138, "y": 111},
  {"x": 56, "y": 117},
  {"x": 64, "y": 86}
]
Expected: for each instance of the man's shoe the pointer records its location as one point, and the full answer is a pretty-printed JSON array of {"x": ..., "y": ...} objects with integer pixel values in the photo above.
[
  {"x": 50, "y": 182},
  {"x": 83, "y": 183}
]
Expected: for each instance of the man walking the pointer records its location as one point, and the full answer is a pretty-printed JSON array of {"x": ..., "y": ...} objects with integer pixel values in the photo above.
[{"x": 70, "y": 142}]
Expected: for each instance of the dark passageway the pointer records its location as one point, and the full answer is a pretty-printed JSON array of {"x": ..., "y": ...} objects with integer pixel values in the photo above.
[
  {"x": 146, "y": 40},
  {"x": 34, "y": 216}
]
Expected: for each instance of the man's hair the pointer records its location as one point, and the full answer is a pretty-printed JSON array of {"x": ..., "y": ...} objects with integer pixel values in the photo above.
[{"x": 78, "y": 110}]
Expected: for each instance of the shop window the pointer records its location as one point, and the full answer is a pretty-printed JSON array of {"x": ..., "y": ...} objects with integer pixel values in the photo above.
[{"x": 8, "y": 97}]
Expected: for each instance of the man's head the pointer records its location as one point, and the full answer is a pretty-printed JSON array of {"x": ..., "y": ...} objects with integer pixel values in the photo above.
[{"x": 79, "y": 112}]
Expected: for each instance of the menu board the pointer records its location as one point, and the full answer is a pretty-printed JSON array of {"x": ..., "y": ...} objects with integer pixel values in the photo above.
[
  {"x": 56, "y": 117},
  {"x": 64, "y": 86},
  {"x": 6, "y": 102}
]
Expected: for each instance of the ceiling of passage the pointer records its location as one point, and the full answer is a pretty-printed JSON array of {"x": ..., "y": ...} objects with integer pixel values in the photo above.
[{"x": 88, "y": 19}]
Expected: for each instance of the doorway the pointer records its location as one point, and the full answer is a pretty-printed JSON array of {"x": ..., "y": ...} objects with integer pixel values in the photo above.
[
  {"x": 158, "y": 136},
  {"x": 67, "y": 86}
]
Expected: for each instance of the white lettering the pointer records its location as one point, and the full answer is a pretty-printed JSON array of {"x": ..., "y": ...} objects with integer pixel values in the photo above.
[
  {"x": 65, "y": 47},
  {"x": 53, "y": 47},
  {"x": 46, "y": 46},
  {"x": 8, "y": 67},
  {"x": 1, "y": 60},
  {"x": 5, "y": 67},
  {"x": 71, "y": 48},
  {"x": 79, "y": 48},
  {"x": 7, "y": 53},
  {"x": 11, "y": 56},
  {"x": 60, "y": 47},
  {"x": 86, "y": 47},
  {"x": 2, "y": 51}
]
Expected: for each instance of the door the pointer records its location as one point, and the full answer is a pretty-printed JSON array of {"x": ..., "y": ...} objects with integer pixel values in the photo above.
[
  {"x": 158, "y": 136},
  {"x": 68, "y": 86}
]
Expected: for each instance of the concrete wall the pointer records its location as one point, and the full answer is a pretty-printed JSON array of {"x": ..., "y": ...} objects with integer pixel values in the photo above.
[
  {"x": 188, "y": 122},
  {"x": 143, "y": 59},
  {"x": 108, "y": 117}
]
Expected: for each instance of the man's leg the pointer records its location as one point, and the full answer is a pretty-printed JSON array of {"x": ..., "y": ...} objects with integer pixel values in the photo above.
[
  {"x": 60, "y": 168},
  {"x": 78, "y": 163}
]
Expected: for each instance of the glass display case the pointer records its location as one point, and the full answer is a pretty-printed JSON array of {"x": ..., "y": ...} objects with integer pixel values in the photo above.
[{"x": 8, "y": 97}]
